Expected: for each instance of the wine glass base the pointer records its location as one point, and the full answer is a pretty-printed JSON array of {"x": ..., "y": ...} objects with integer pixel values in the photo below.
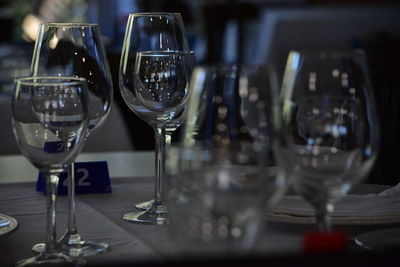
[
  {"x": 7, "y": 224},
  {"x": 50, "y": 260},
  {"x": 78, "y": 249},
  {"x": 39, "y": 247},
  {"x": 380, "y": 240},
  {"x": 86, "y": 248},
  {"x": 144, "y": 205},
  {"x": 157, "y": 215}
]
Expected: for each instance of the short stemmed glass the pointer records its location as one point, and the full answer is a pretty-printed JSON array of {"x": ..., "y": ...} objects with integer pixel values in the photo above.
[
  {"x": 50, "y": 121},
  {"x": 75, "y": 49},
  {"x": 330, "y": 126},
  {"x": 160, "y": 39}
]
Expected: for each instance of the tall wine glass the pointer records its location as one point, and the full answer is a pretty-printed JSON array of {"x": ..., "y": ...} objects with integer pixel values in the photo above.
[
  {"x": 222, "y": 175},
  {"x": 50, "y": 120},
  {"x": 160, "y": 36},
  {"x": 75, "y": 49},
  {"x": 330, "y": 126},
  {"x": 171, "y": 127}
]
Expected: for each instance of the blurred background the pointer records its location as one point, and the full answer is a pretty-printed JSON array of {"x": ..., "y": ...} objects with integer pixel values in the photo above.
[{"x": 242, "y": 31}]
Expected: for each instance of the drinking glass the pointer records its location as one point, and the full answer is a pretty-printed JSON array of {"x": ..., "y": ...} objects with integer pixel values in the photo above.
[
  {"x": 75, "y": 49},
  {"x": 170, "y": 128},
  {"x": 330, "y": 127},
  {"x": 159, "y": 40},
  {"x": 222, "y": 176},
  {"x": 50, "y": 120}
]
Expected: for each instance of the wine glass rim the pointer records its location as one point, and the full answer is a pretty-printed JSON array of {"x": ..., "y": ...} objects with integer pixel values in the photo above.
[
  {"x": 165, "y": 52},
  {"x": 154, "y": 14},
  {"x": 50, "y": 80},
  {"x": 70, "y": 24}
]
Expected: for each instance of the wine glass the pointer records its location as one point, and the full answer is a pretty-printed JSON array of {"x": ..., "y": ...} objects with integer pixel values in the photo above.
[
  {"x": 330, "y": 128},
  {"x": 75, "y": 49},
  {"x": 50, "y": 121},
  {"x": 222, "y": 176},
  {"x": 159, "y": 35},
  {"x": 171, "y": 127}
]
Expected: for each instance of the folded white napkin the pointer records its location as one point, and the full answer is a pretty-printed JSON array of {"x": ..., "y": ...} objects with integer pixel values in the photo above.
[{"x": 383, "y": 207}]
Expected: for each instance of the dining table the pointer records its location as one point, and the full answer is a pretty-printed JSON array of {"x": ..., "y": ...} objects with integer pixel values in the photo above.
[{"x": 99, "y": 218}]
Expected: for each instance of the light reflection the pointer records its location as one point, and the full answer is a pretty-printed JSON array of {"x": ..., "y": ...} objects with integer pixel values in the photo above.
[
  {"x": 53, "y": 42},
  {"x": 236, "y": 232}
]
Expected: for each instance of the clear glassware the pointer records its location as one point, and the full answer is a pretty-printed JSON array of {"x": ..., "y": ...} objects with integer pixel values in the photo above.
[
  {"x": 170, "y": 128},
  {"x": 330, "y": 127},
  {"x": 222, "y": 176},
  {"x": 148, "y": 33},
  {"x": 76, "y": 49},
  {"x": 50, "y": 121}
]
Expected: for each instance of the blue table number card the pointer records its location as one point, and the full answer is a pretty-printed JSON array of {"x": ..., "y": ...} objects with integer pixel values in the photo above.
[
  {"x": 90, "y": 178},
  {"x": 54, "y": 147}
]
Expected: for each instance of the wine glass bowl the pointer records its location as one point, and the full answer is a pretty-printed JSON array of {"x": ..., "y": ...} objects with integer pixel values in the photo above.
[
  {"x": 161, "y": 86},
  {"x": 327, "y": 151},
  {"x": 75, "y": 49},
  {"x": 55, "y": 117},
  {"x": 329, "y": 126},
  {"x": 50, "y": 122}
]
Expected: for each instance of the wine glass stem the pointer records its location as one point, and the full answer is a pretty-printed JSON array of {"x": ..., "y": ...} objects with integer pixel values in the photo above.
[
  {"x": 51, "y": 189},
  {"x": 71, "y": 230},
  {"x": 323, "y": 218},
  {"x": 160, "y": 165}
]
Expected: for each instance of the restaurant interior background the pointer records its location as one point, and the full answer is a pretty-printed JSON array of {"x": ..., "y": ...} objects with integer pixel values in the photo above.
[{"x": 234, "y": 31}]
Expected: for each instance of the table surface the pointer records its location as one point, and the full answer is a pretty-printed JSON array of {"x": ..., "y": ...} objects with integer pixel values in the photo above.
[{"x": 99, "y": 216}]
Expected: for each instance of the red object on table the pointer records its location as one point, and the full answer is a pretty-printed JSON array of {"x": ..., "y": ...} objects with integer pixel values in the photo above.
[{"x": 324, "y": 242}]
